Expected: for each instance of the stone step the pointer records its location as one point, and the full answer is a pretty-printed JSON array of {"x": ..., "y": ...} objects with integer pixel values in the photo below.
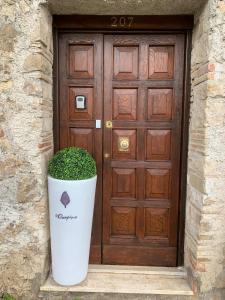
[
  {"x": 108, "y": 296},
  {"x": 124, "y": 282}
]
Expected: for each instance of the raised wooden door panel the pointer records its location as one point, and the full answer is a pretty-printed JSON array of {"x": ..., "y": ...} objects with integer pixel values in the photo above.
[
  {"x": 124, "y": 183},
  {"x": 161, "y": 62},
  {"x": 80, "y": 69},
  {"x": 157, "y": 184},
  {"x": 81, "y": 61},
  {"x": 125, "y": 62},
  {"x": 124, "y": 104},
  {"x": 143, "y": 90},
  {"x": 158, "y": 144},
  {"x": 159, "y": 106}
]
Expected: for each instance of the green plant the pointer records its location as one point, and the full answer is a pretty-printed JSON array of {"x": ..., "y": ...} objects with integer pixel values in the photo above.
[
  {"x": 8, "y": 297},
  {"x": 72, "y": 164}
]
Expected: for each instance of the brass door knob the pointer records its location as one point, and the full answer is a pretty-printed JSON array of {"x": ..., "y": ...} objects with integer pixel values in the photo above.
[{"x": 106, "y": 155}]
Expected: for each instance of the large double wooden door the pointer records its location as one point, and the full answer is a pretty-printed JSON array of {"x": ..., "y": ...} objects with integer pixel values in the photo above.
[{"x": 134, "y": 85}]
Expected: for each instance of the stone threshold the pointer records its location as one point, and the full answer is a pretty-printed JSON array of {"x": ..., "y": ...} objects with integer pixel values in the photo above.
[{"x": 128, "y": 280}]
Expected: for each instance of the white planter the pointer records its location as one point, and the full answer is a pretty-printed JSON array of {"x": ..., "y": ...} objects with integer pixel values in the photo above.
[{"x": 70, "y": 227}]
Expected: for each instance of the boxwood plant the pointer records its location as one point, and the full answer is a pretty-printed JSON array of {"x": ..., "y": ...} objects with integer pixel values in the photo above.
[
  {"x": 7, "y": 296},
  {"x": 72, "y": 164}
]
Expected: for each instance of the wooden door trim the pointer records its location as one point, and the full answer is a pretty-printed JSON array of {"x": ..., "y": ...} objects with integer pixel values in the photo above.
[
  {"x": 165, "y": 25},
  {"x": 55, "y": 90},
  {"x": 184, "y": 146},
  {"x": 124, "y": 22}
]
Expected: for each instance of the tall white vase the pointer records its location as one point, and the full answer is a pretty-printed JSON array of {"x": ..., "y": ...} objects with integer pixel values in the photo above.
[{"x": 71, "y": 206}]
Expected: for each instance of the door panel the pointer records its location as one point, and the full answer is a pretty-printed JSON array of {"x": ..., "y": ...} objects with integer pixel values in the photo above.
[
  {"x": 125, "y": 62},
  {"x": 80, "y": 69},
  {"x": 143, "y": 83},
  {"x": 161, "y": 62},
  {"x": 160, "y": 104},
  {"x": 158, "y": 144},
  {"x": 77, "y": 114},
  {"x": 123, "y": 184},
  {"x": 124, "y": 104},
  {"x": 81, "y": 62}
]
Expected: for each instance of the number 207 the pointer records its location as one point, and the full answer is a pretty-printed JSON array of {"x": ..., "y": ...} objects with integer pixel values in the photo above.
[{"x": 122, "y": 21}]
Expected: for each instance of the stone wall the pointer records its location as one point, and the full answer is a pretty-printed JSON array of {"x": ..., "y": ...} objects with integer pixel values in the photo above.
[
  {"x": 205, "y": 218},
  {"x": 126, "y": 7},
  {"x": 26, "y": 144},
  {"x": 26, "y": 138}
]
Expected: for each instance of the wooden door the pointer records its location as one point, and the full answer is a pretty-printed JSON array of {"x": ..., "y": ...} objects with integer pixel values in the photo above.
[
  {"x": 80, "y": 74},
  {"x": 143, "y": 89},
  {"x": 140, "y": 150}
]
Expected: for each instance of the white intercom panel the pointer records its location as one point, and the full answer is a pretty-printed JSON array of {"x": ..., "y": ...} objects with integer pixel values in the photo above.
[{"x": 80, "y": 102}]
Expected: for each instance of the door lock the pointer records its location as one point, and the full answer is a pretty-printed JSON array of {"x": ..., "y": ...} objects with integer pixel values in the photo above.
[
  {"x": 108, "y": 124},
  {"x": 80, "y": 102}
]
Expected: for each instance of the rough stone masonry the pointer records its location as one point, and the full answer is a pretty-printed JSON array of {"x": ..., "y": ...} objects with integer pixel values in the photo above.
[{"x": 26, "y": 139}]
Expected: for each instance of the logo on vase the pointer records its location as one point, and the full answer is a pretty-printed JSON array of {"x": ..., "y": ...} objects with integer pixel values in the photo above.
[{"x": 65, "y": 199}]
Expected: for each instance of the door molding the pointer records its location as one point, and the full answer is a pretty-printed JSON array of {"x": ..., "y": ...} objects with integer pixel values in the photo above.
[
  {"x": 142, "y": 24},
  {"x": 123, "y": 22}
]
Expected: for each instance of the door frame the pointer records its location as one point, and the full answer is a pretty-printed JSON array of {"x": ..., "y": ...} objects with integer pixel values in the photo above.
[{"x": 133, "y": 25}]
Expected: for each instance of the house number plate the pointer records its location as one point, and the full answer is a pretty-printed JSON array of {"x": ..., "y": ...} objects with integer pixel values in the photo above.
[
  {"x": 122, "y": 21},
  {"x": 123, "y": 144}
]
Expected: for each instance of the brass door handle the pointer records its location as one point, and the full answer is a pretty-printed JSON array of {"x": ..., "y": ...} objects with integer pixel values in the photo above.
[
  {"x": 106, "y": 155},
  {"x": 123, "y": 144}
]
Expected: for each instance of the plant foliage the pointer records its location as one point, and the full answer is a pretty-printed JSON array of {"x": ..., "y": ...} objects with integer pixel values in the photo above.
[
  {"x": 7, "y": 297},
  {"x": 72, "y": 164}
]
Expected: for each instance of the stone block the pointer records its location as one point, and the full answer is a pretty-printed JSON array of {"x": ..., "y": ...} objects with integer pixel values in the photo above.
[
  {"x": 26, "y": 188},
  {"x": 8, "y": 34},
  {"x": 5, "y": 86},
  {"x": 9, "y": 166},
  {"x": 32, "y": 88},
  {"x": 42, "y": 32},
  {"x": 37, "y": 62}
]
